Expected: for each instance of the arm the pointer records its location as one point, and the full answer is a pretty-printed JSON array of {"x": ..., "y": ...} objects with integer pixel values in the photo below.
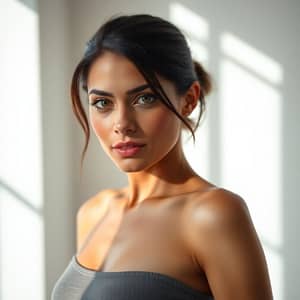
[{"x": 226, "y": 246}]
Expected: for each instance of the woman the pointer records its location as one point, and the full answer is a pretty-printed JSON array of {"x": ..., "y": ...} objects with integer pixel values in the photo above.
[{"x": 169, "y": 234}]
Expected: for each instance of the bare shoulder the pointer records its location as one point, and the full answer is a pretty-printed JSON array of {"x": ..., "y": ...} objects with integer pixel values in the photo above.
[
  {"x": 213, "y": 215},
  {"x": 95, "y": 203},
  {"x": 91, "y": 211},
  {"x": 224, "y": 243},
  {"x": 217, "y": 206}
]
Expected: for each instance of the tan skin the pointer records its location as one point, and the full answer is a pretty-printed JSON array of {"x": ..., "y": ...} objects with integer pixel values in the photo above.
[{"x": 168, "y": 219}]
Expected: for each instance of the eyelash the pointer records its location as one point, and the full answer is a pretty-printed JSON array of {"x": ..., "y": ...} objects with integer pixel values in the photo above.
[{"x": 154, "y": 98}]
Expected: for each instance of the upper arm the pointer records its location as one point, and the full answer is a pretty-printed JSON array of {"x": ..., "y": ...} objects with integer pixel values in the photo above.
[{"x": 226, "y": 246}]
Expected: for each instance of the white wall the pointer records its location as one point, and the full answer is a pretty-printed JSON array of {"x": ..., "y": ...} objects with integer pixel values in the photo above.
[
  {"x": 37, "y": 203},
  {"x": 59, "y": 195},
  {"x": 21, "y": 162},
  {"x": 248, "y": 142}
]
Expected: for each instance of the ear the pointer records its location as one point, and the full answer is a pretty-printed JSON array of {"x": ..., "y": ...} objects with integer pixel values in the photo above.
[{"x": 190, "y": 100}]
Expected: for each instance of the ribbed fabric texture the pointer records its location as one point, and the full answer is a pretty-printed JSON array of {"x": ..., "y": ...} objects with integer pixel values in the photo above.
[{"x": 79, "y": 283}]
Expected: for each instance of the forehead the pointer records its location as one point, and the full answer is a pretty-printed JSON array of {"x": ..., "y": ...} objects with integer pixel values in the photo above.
[
  {"x": 111, "y": 71},
  {"x": 115, "y": 73}
]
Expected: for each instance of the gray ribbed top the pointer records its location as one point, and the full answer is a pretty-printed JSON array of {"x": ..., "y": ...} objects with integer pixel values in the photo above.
[{"x": 80, "y": 283}]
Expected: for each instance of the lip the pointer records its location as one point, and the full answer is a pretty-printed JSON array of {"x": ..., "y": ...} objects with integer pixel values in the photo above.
[
  {"x": 129, "y": 144},
  {"x": 128, "y": 149}
]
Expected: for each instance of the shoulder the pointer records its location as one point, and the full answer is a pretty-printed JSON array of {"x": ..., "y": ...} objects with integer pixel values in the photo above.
[
  {"x": 224, "y": 243},
  {"x": 95, "y": 202},
  {"x": 217, "y": 214},
  {"x": 218, "y": 207},
  {"x": 91, "y": 211}
]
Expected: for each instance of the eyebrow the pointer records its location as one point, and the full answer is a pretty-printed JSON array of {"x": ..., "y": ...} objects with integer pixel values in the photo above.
[{"x": 129, "y": 92}]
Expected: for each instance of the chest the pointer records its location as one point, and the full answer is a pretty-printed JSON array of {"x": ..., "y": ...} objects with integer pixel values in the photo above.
[{"x": 150, "y": 239}]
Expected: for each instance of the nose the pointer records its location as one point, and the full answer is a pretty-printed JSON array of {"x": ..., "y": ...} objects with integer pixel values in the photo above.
[{"x": 124, "y": 122}]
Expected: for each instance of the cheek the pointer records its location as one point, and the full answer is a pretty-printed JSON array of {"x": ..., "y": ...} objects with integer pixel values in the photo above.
[
  {"x": 162, "y": 125},
  {"x": 100, "y": 126}
]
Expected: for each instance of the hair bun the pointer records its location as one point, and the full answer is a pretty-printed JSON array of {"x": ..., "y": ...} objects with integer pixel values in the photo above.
[{"x": 203, "y": 77}]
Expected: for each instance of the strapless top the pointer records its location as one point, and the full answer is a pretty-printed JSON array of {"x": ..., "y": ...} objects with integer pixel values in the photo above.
[{"x": 80, "y": 283}]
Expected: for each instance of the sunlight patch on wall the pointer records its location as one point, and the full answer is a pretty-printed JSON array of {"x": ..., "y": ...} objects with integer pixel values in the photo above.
[
  {"x": 20, "y": 131},
  {"x": 250, "y": 125},
  {"x": 187, "y": 20},
  {"x": 263, "y": 65},
  {"x": 199, "y": 51},
  {"x": 251, "y": 141},
  {"x": 21, "y": 225},
  {"x": 21, "y": 234},
  {"x": 196, "y": 30}
]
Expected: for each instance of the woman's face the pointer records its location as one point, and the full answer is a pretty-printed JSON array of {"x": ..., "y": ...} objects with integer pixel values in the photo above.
[{"x": 123, "y": 108}]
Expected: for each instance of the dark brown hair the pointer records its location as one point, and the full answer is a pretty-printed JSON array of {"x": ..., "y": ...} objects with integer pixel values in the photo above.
[{"x": 155, "y": 46}]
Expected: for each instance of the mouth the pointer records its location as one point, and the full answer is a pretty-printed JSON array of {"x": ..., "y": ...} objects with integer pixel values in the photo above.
[
  {"x": 128, "y": 149},
  {"x": 127, "y": 144}
]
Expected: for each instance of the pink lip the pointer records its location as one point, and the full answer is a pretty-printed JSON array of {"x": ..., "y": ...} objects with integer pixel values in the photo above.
[
  {"x": 128, "y": 144},
  {"x": 128, "y": 149}
]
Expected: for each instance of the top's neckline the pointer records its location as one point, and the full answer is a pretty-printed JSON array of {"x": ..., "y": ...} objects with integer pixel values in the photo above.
[{"x": 155, "y": 275}]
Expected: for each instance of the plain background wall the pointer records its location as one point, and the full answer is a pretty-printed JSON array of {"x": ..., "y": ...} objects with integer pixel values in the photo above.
[
  {"x": 65, "y": 26},
  {"x": 60, "y": 201},
  {"x": 21, "y": 159}
]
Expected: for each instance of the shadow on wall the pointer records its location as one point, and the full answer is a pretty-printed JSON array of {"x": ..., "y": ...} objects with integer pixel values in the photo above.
[{"x": 31, "y": 4}]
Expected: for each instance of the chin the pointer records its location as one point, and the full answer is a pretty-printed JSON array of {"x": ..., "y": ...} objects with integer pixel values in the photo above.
[{"x": 130, "y": 166}]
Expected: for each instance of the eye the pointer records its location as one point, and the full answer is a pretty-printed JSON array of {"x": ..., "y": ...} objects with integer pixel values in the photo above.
[
  {"x": 101, "y": 104},
  {"x": 146, "y": 99}
]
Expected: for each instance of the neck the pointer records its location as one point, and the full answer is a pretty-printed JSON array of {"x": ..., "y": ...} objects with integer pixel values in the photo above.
[{"x": 170, "y": 176}]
